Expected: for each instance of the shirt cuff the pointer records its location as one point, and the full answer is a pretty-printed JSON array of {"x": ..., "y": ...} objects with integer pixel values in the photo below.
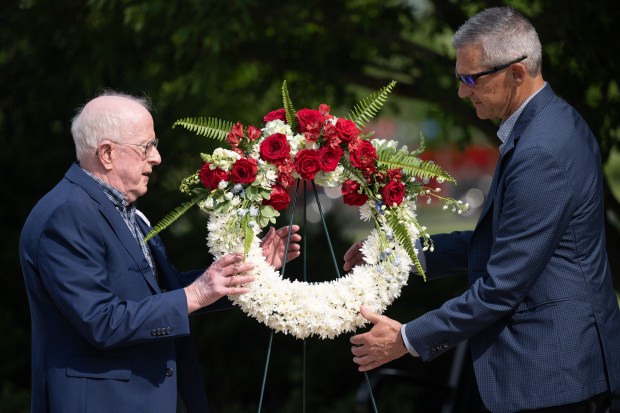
[{"x": 406, "y": 341}]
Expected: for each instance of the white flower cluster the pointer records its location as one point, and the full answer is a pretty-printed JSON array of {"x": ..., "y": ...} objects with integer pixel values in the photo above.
[{"x": 325, "y": 309}]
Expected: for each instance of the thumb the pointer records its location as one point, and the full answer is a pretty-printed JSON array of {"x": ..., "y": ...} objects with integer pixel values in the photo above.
[
  {"x": 269, "y": 236},
  {"x": 369, "y": 315}
]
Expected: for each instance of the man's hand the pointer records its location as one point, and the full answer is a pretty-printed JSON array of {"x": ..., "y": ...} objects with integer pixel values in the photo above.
[
  {"x": 222, "y": 278},
  {"x": 353, "y": 256},
  {"x": 383, "y": 343},
  {"x": 274, "y": 245}
]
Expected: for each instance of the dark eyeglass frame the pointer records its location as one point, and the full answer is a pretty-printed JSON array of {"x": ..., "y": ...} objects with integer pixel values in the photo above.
[
  {"x": 147, "y": 146},
  {"x": 470, "y": 80}
]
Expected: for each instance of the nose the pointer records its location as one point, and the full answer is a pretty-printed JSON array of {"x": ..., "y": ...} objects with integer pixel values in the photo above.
[
  {"x": 464, "y": 90},
  {"x": 154, "y": 156}
]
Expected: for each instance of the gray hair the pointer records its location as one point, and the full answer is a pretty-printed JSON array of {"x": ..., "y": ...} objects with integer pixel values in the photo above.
[
  {"x": 90, "y": 127},
  {"x": 504, "y": 35}
]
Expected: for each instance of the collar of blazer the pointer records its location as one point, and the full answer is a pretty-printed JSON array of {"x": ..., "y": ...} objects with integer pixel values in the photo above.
[
  {"x": 529, "y": 112},
  {"x": 76, "y": 175}
]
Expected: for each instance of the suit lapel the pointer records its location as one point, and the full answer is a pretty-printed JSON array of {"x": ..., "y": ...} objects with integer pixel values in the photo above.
[
  {"x": 530, "y": 110},
  {"x": 116, "y": 222}
]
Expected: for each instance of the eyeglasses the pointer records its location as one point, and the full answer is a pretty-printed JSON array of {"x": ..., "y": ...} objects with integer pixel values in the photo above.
[
  {"x": 470, "y": 80},
  {"x": 147, "y": 146}
]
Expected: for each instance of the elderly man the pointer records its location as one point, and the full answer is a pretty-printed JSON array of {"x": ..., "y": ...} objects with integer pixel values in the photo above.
[
  {"x": 540, "y": 312},
  {"x": 110, "y": 328}
]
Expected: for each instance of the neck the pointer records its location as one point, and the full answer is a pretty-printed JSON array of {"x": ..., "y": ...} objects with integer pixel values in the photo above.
[{"x": 526, "y": 90}]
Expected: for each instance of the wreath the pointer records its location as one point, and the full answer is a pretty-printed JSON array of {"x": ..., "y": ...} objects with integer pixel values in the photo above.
[{"x": 244, "y": 187}]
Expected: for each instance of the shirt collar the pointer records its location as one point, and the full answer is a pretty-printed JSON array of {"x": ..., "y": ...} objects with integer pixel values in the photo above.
[
  {"x": 114, "y": 195},
  {"x": 506, "y": 127}
]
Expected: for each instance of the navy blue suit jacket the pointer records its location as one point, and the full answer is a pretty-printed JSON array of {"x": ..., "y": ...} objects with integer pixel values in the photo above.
[
  {"x": 105, "y": 338},
  {"x": 540, "y": 311}
]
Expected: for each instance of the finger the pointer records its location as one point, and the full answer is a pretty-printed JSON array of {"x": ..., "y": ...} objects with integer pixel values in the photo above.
[
  {"x": 229, "y": 259},
  {"x": 363, "y": 360},
  {"x": 370, "y": 316},
  {"x": 238, "y": 268},
  {"x": 358, "y": 350},
  {"x": 271, "y": 234},
  {"x": 239, "y": 280},
  {"x": 282, "y": 232},
  {"x": 352, "y": 251},
  {"x": 367, "y": 367},
  {"x": 349, "y": 264},
  {"x": 237, "y": 290},
  {"x": 358, "y": 339}
]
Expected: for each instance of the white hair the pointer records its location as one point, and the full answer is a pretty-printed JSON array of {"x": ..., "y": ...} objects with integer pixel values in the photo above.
[
  {"x": 90, "y": 127},
  {"x": 504, "y": 35}
]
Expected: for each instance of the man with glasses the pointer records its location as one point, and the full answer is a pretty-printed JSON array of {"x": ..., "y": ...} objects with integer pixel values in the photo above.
[
  {"x": 110, "y": 327},
  {"x": 540, "y": 312}
]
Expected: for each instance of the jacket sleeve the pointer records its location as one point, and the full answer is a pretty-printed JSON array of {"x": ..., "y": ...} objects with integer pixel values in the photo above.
[{"x": 533, "y": 207}]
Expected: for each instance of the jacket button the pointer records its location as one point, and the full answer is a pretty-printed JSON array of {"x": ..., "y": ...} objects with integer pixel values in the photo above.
[
  {"x": 154, "y": 332},
  {"x": 168, "y": 330},
  {"x": 169, "y": 372}
]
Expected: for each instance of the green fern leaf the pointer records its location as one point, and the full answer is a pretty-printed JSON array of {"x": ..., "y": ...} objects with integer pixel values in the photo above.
[
  {"x": 291, "y": 113},
  {"x": 211, "y": 128},
  {"x": 411, "y": 164},
  {"x": 402, "y": 235},
  {"x": 368, "y": 107},
  {"x": 248, "y": 234},
  {"x": 174, "y": 215}
]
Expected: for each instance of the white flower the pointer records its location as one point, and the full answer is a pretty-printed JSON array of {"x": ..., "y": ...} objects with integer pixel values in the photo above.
[{"x": 301, "y": 309}]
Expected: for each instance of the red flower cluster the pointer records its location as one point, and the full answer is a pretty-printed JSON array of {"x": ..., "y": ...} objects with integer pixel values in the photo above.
[{"x": 334, "y": 138}]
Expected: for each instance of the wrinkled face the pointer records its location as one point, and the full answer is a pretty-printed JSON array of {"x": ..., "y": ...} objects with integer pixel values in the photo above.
[
  {"x": 131, "y": 167},
  {"x": 493, "y": 95}
]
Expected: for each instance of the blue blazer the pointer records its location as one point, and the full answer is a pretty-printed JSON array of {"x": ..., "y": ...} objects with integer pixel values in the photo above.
[
  {"x": 540, "y": 312},
  {"x": 105, "y": 337}
]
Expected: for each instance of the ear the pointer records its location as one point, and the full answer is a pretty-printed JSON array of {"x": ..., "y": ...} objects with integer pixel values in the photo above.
[
  {"x": 105, "y": 154},
  {"x": 519, "y": 72}
]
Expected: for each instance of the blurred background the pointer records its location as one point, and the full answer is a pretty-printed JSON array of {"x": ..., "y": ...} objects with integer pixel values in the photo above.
[{"x": 227, "y": 59}]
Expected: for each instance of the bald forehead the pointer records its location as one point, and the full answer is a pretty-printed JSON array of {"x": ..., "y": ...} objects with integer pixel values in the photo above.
[{"x": 116, "y": 105}]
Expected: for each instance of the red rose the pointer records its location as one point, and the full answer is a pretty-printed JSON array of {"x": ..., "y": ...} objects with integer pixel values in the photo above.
[
  {"x": 275, "y": 115},
  {"x": 275, "y": 148},
  {"x": 244, "y": 171},
  {"x": 346, "y": 130},
  {"x": 329, "y": 158},
  {"x": 211, "y": 177},
  {"x": 350, "y": 193},
  {"x": 363, "y": 156},
  {"x": 279, "y": 198},
  {"x": 310, "y": 120},
  {"x": 393, "y": 193},
  {"x": 307, "y": 163}
]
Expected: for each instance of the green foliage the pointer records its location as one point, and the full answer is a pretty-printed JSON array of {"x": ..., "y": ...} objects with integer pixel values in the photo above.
[
  {"x": 174, "y": 215},
  {"x": 411, "y": 164},
  {"x": 291, "y": 119},
  {"x": 368, "y": 107},
  {"x": 212, "y": 57},
  {"x": 211, "y": 128},
  {"x": 402, "y": 235}
]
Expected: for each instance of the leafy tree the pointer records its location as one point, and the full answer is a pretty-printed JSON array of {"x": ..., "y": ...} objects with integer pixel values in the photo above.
[{"x": 227, "y": 58}]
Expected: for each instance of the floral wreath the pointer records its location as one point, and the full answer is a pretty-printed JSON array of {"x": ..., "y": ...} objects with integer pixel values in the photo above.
[{"x": 243, "y": 188}]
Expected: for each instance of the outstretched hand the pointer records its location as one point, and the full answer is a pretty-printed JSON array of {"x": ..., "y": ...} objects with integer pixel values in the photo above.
[
  {"x": 353, "y": 256},
  {"x": 382, "y": 344},
  {"x": 274, "y": 245},
  {"x": 225, "y": 276}
]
